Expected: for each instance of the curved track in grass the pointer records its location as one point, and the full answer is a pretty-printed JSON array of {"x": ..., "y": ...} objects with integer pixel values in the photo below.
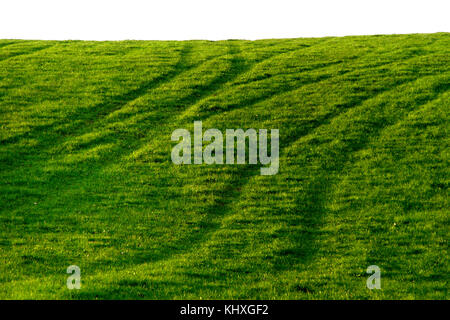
[{"x": 86, "y": 176}]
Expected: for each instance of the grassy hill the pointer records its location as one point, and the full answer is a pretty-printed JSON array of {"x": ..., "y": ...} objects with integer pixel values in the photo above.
[{"x": 86, "y": 176}]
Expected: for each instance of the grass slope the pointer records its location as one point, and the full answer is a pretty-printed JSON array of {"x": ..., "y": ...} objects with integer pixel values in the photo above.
[{"x": 86, "y": 176}]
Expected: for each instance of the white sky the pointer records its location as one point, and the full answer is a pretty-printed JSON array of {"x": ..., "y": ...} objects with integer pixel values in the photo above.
[{"x": 212, "y": 19}]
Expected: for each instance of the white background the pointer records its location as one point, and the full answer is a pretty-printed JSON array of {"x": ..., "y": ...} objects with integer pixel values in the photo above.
[{"x": 212, "y": 19}]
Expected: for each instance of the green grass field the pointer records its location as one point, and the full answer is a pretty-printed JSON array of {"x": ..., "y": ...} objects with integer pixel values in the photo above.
[{"x": 86, "y": 176}]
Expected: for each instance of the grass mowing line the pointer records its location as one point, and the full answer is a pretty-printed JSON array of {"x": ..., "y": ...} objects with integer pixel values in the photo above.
[
  {"x": 213, "y": 207},
  {"x": 51, "y": 141},
  {"x": 365, "y": 54},
  {"x": 229, "y": 78},
  {"x": 232, "y": 75},
  {"x": 74, "y": 178},
  {"x": 105, "y": 108},
  {"x": 317, "y": 192},
  {"x": 211, "y": 218},
  {"x": 8, "y": 43},
  {"x": 98, "y": 123},
  {"x": 26, "y": 53},
  {"x": 287, "y": 89},
  {"x": 130, "y": 193},
  {"x": 80, "y": 115},
  {"x": 118, "y": 101},
  {"x": 236, "y": 64},
  {"x": 294, "y": 90},
  {"x": 438, "y": 96},
  {"x": 222, "y": 85},
  {"x": 322, "y": 121},
  {"x": 113, "y": 102},
  {"x": 167, "y": 117},
  {"x": 67, "y": 182},
  {"x": 326, "y": 119},
  {"x": 282, "y": 53},
  {"x": 315, "y": 188},
  {"x": 244, "y": 70},
  {"x": 223, "y": 80},
  {"x": 342, "y": 163},
  {"x": 275, "y": 57}
]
